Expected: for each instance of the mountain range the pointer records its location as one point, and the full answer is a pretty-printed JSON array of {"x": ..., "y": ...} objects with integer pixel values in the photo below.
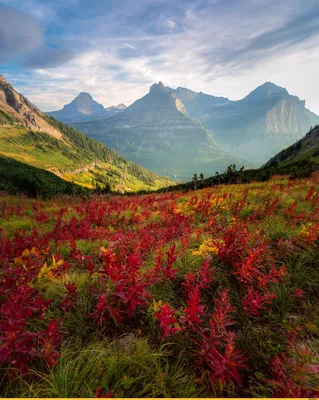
[
  {"x": 157, "y": 132},
  {"x": 168, "y": 126},
  {"x": 31, "y": 138},
  {"x": 85, "y": 108}
]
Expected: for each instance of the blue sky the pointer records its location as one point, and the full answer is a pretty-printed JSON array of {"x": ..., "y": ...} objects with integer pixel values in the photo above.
[{"x": 52, "y": 50}]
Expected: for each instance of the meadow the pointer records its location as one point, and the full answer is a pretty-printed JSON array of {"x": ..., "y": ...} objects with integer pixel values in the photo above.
[{"x": 207, "y": 293}]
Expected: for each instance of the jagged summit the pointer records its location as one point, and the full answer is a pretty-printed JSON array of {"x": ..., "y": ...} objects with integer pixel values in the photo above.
[
  {"x": 2, "y": 79},
  {"x": 158, "y": 87}
]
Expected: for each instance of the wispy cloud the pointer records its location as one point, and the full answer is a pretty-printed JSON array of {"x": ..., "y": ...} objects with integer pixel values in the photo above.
[
  {"x": 130, "y": 46},
  {"x": 116, "y": 50}
]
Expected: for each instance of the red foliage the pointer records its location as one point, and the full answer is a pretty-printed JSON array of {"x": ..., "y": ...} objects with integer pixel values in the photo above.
[
  {"x": 254, "y": 302},
  {"x": 100, "y": 395},
  {"x": 194, "y": 311},
  {"x": 291, "y": 374},
  {"x": 167, "y": 321},
  {"x": 70, "y": 295}
]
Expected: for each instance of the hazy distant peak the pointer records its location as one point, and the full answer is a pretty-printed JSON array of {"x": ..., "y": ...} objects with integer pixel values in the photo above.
[
  {"x": 120, "y": 106},
  {"x": 84, "y": 94},
  {"x": 266, "y": 90},
  {"x": 158, "y": 87},
  {"x": 84, "y": 107}
]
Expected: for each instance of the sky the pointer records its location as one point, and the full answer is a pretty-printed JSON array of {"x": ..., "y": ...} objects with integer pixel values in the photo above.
[{"x": 116, "y": 49}]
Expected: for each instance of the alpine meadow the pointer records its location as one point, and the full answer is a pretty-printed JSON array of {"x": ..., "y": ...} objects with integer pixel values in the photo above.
[{"x": 159, "y": 199}]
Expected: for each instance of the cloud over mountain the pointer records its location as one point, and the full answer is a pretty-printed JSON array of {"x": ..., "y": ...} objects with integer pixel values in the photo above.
[{"x": 119, "y": 48}]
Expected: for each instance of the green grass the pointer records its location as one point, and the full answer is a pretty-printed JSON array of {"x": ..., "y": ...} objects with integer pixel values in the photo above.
[{"x": 141, "y": 371}]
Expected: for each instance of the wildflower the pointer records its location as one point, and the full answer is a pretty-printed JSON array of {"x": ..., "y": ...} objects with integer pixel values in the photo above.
[
  {"x": 168, "y": 322},
  {"x": 206, "y": 248},
  {"x": 194, "y": 311}
]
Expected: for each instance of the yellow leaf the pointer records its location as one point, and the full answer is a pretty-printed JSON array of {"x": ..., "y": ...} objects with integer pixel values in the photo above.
[
  {"x": 42, "y": 270},
  {"x": 26, "y": 253}
]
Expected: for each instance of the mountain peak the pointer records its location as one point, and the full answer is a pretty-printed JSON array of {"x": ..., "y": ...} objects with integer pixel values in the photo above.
[
  {"x": 84, "y": 107},
  {"x": 158, "y": 87},
  {"x": 120, "y": 106},
  {"x": 84, "y": 95},
  {"x": 268, "y": 89}
]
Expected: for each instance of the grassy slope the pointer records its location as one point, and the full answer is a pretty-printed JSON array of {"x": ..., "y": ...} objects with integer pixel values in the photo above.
[
  {"x": 78, "y": 159},
  {"x": 305, "y": 149},
  {"x": 18, "y": 177}
]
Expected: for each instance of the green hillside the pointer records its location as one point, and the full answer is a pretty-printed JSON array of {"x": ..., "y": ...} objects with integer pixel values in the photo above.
[
  {"x": 77, "y": 158},
  {"x": 305, "y": 150},
  {"x": 29, "y": 136},
  {"x": 17, "y": 177}
]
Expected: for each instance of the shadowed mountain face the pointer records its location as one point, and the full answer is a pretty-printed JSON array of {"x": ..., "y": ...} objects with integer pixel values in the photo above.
[
  {"x": 258, "y": 126},
  {"x": 83, "y": 108},
  {"x": 157, "y": 132},
  {"x": 31, "y": 137}
]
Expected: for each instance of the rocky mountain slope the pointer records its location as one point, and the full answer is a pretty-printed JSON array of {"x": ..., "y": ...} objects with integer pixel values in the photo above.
[
  {"x": 85, "y": 108},
  {"x": 16, "y": 109},
  {"x": 198, "y": 104},
  {"x": 157, "y": 132},
  {"x": 31, "y": 137},
  {"x": 306, "y": 148},
  {"x": 258, "y": 126}
]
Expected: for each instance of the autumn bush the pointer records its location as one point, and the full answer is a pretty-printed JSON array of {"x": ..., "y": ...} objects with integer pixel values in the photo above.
[{"x": 211, "y": 293}]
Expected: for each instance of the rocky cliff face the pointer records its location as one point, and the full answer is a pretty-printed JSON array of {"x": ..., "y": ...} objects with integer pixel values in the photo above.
[
  {"x": 198, "y": 104},
  {"x": 157, "y": 132},
  {"x": 17, "y": 110},
  {"x": 260, "y": 125}
]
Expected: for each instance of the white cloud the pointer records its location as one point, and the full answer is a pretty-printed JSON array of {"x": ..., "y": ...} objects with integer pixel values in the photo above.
[
  {"x": 130, "y": 46},
  {"x": 171, "y": 23},
  {"x": 225, "y": 51}
]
